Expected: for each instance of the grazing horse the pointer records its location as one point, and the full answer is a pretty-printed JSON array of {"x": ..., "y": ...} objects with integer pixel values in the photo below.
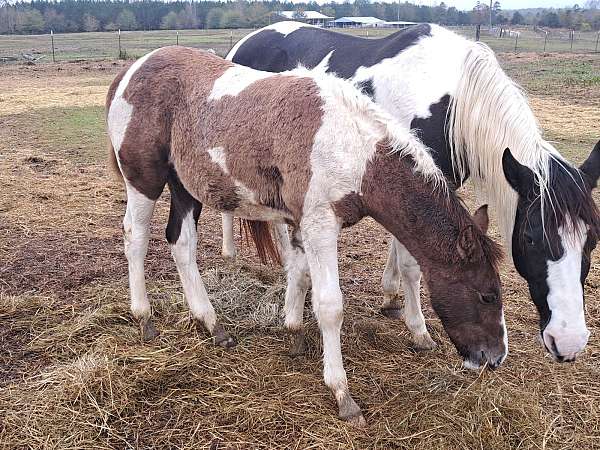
[
  {"x": 307, "y": 150},
  {"x": 458, "y": 100}
]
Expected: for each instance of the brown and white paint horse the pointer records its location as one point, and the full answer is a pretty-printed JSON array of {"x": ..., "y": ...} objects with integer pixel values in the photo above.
[{"x": 307, "y": 150}]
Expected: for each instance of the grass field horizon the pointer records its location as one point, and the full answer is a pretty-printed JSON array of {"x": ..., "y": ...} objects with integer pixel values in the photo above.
[{"x": 105, "y": 44}]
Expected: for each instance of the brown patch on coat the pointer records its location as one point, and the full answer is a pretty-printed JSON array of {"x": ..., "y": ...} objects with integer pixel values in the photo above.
[
  {"x": 350, "y": 209},
  {"x": 266, "y": 131},
  {"x": 459, "y": 262}
]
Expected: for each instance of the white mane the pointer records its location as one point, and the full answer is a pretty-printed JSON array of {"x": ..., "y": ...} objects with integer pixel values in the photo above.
[
  {"x": 489, "y": 113},
  {"x": 400, "y": 138}
]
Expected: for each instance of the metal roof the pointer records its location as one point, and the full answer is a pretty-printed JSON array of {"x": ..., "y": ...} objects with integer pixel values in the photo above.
[
  {"x": 307, "y": 15},
  {"x": 364, "y": 20}
]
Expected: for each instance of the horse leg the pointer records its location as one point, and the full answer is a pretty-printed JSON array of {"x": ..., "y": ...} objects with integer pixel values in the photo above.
[
  {"x": 228, "y": 249},
  {"x": 320, "y": 232},
  {"x": 136, "y": 234},
  {"x": 413, "y": 317},
  {"x": 298, "y": 282},
  {"x": 391, "y": 281},
  {"x": 183, "y": 239}
]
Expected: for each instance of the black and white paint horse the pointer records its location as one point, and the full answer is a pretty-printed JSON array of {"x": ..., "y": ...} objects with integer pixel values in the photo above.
[{"x": 455, "y": 95}]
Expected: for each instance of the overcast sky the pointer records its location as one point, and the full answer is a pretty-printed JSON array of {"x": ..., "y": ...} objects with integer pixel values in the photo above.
[{"x": 506, "y": 4}]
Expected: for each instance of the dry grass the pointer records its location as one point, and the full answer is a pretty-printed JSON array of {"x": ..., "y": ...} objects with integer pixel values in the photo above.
[{"x": 74, "y": 374}]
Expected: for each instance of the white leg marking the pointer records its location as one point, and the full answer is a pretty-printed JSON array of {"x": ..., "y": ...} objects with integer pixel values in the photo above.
[
  {"x": 298, "y": 282},
  {"x": 567, "y": 326},
  {"x": 283, "y": 240},
  {"x": 184, "y": 254},
  {"x": 228, "y": 250},
  {"x": 136, "y": 227},
  {"x": 391, "y": 275},
  {"x": 320, "y": 244}
]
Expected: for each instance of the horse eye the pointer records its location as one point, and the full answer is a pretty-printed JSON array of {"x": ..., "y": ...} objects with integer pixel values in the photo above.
[
  {"x": 529, "y": 240},
  {"x": 488, "y": 299}
]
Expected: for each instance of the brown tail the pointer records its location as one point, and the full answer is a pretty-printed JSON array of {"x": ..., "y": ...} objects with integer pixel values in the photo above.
[
  {"x": 260, "y": 232},
  {"x": 112, "y": 160}
]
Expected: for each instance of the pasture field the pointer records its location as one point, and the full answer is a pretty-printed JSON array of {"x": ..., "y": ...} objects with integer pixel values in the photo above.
[
  {"x": 74, "y": 374},
  {"x": 76, "y": 46}
]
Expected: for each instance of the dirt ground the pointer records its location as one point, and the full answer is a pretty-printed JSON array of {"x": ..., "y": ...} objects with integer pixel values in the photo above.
[{"x": 74, "y": 374}]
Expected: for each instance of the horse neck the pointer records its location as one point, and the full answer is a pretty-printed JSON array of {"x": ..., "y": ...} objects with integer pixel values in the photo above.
[
  {"x": 489, "y": 113},
  {"x": 425, "y": 218}
]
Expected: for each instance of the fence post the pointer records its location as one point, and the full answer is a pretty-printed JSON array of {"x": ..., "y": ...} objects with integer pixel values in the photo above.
[
  {"x": 545, "y": 41},
  {"x": 52, "y": 40},
  {"x": 572, "y": 33},
  {"x": 477, "y": 32},
  {"x": 230, "y": 40},
  {"x": 516, "y": 40},
  {"x": 177, "y": 38},
  {"x": 119, "y": 34},
  {"x": 597, "y": 38}
]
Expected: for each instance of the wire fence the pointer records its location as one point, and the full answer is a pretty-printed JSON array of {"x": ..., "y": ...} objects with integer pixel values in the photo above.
[{"x": 132, "y": 44}]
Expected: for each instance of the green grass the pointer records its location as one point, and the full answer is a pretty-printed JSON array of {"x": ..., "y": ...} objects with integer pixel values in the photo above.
[
  {"x": 75, "y": 134},
  {"x": 97, "y": 45}
]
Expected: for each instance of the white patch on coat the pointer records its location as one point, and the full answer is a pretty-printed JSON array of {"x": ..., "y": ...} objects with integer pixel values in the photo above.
[
  {"x": 217, "y": 155},
  {"x": 235, "y": 80},
  {"x": 323, "y": 65},
  {"x": 565, "y": 297},
  {"x": 285, "y": 28},
  {"x": 120, "y": 111}
]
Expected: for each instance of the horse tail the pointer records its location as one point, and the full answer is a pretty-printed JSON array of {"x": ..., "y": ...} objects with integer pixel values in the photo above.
[
  {"x": 260, "y": 233},
  {"x": 113, "y": 163}
]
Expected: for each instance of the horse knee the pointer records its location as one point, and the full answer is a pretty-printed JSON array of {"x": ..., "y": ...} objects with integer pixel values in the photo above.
[
  {"x": 411, "y": 273},
  {"x": 329, "y": 308}
]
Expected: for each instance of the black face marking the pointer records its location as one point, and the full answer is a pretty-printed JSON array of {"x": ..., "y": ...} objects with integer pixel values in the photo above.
[
  {"x": 536, "y": 239},
  {"x": 274, "y": 52},
  {"x": 367, "y": 88},
  {"x": 182, "y": 203}
]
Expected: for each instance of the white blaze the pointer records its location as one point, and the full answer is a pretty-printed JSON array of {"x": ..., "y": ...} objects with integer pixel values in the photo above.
[{"x": 565, "y": 297}]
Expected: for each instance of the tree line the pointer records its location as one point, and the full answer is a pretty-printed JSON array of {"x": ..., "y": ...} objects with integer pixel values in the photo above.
[{"x": 41, "y": 16}]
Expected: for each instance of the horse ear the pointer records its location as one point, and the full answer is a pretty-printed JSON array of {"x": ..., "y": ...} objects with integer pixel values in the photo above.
[
  {"x": 591, "y": 166},
  {"x": 482, "y": 219},
  {"x": 520, "y": 177},
  {"x": 467, "y": 245}
]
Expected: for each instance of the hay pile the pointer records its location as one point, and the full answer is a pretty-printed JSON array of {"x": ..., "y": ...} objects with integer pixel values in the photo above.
[{"x": 74, "y": 373}]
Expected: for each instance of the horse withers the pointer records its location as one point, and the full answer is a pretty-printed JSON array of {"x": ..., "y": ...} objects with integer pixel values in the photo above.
[
  {"x": 454, "y": 94},
  {"x": 303, "y": 149}
]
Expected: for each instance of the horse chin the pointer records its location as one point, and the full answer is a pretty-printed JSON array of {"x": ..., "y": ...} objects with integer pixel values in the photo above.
[{"x": 471, "y": 365}]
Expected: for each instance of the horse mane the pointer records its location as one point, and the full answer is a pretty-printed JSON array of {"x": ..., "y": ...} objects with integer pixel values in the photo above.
[
  {"x": 489, "y": 112},
  {"x": 397, "y": 137},
  {"x": 570, "y": 198}
]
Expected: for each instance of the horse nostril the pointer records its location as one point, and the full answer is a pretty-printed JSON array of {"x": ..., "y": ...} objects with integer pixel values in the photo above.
[{"x": 553, "y": 348}]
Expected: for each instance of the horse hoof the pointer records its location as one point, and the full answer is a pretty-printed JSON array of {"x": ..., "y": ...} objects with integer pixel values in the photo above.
[
  {"x": 228, "y": 255},
  {"x": 148, "y": 330},
  {"x": 222, "y": 338},
  {"x": 423, "y": 342},
  {"x": 392, "y": 312},
  {"x": 350, "y": 412},
  {"x": 357, "y": 421},
  {"x": 297, "y": 345}
]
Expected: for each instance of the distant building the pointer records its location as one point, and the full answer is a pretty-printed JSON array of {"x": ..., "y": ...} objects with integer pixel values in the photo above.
[
  {"x": 310, "y": 17},
  {"x": 398, "y": 24},
  {"x": 356, "y": 22},
  {"x": 362, "y": 22}
]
